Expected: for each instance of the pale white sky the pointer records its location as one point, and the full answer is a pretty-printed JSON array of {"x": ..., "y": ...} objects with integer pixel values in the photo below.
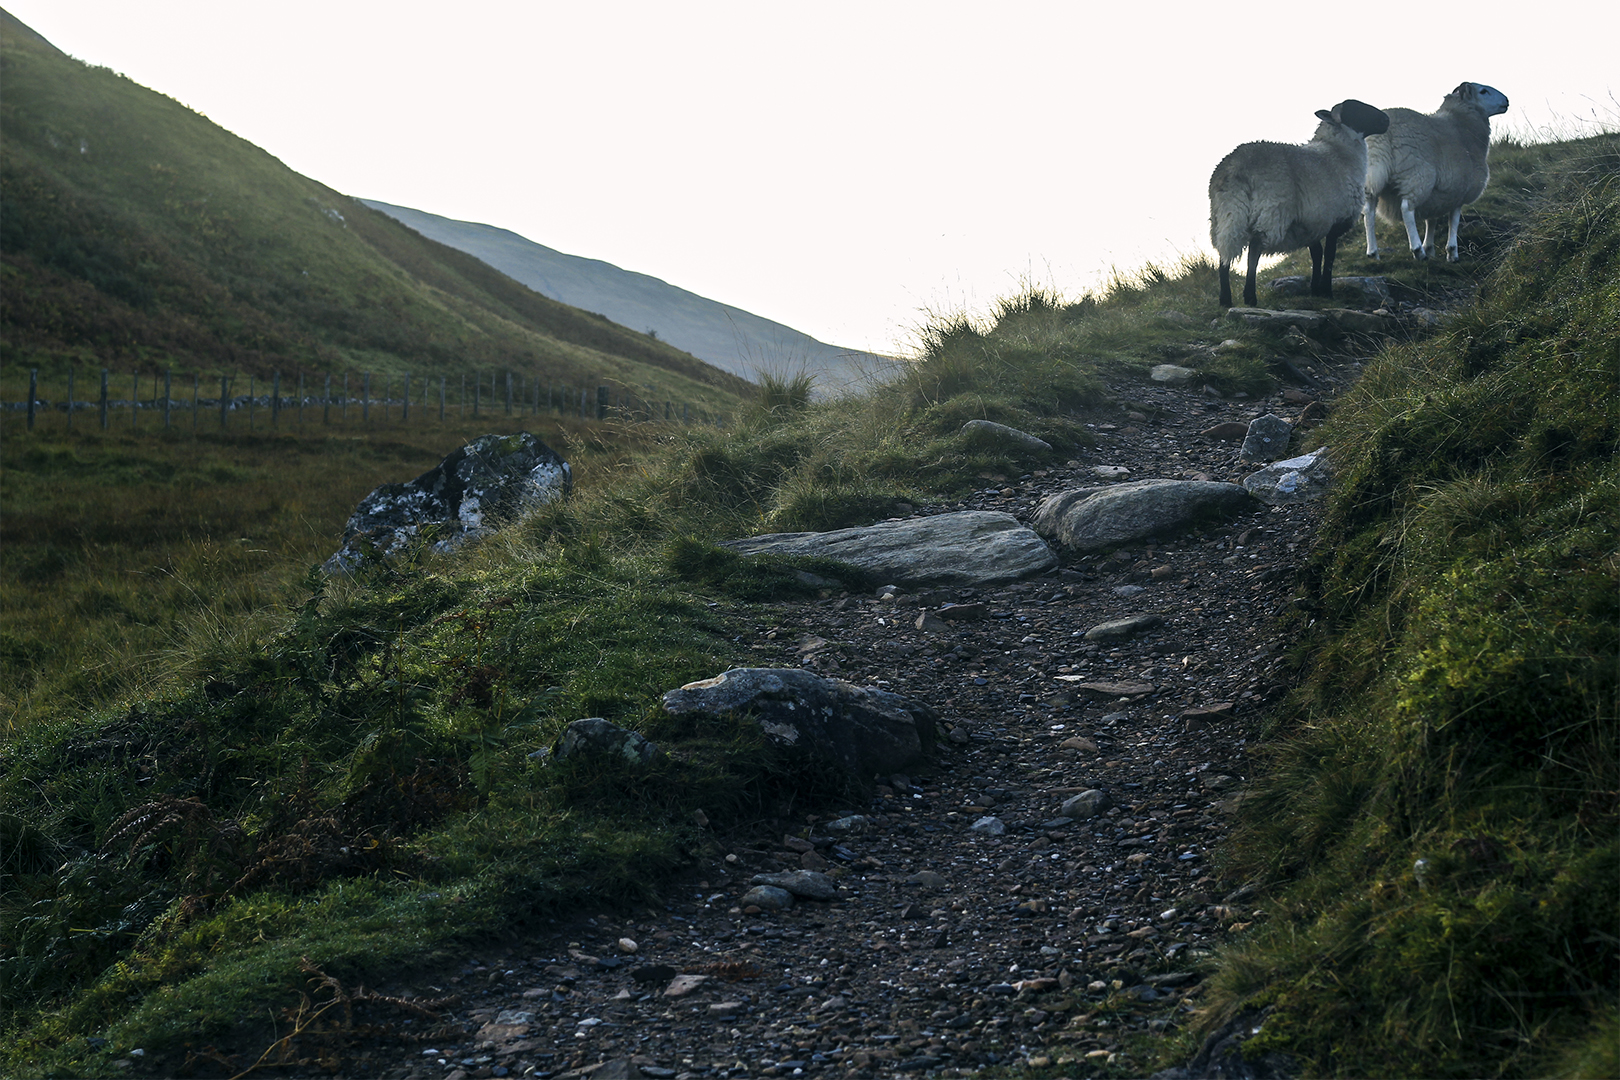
[{"x": 846, "y": 168}]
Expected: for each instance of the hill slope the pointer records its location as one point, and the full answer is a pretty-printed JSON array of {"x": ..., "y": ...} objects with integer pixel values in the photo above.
[
  {"x": 732, "y": 339},
  {"x": 137, "y": 233}
]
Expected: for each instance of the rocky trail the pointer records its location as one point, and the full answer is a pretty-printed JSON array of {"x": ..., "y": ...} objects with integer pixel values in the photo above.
[{"x": 976, "y": 921}]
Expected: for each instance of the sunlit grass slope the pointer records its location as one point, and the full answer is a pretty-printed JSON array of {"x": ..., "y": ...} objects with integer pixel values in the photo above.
[{"x": 137, "y": 235}]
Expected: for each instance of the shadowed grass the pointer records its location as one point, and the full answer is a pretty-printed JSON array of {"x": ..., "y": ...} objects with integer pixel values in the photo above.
[{"x": 1439, "y": 827}]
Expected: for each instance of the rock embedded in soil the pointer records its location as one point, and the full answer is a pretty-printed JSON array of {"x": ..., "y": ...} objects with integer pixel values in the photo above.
[
  {"x": 863, "y": 729},
  {"x": 966, "y": 548},
  {"x": 990, "y": 433},
  {"x": 1091, "y": 519}
]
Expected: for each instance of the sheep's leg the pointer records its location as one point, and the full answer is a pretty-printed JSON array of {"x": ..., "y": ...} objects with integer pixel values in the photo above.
[
  {"x": 1330, "y": 245},
  {"x": 1452, "y": 252},
  {"x": 1370, "y": 212},
  {"x": 1419, "y": 247},
  {"x": 1249, "y": 296},
  {"x": 1226, "y": 284},
  {"x": 1316, "y": 268}
]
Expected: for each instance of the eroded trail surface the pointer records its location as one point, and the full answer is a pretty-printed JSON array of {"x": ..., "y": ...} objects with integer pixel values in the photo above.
[{"x": 953, "y": 945}]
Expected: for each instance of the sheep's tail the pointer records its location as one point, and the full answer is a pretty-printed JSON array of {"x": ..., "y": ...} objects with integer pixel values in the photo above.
[{"x": 1231, "y": 222}]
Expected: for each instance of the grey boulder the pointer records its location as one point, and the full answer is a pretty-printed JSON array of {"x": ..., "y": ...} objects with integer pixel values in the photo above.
[
  {"x": 1094, "y": 519},
  {"x": 971, "y": 547},
  {"x": 596, "y": 737},
  {"x": 491, "y": 480},
  {"x": 862, "y": 729}
]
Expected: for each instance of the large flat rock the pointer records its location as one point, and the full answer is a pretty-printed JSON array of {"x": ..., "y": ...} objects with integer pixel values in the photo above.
[{"x": 971, "y": 547}]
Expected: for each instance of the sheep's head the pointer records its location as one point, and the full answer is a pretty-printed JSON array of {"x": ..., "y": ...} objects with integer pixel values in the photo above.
[
  {"x": 1487, "y": 99},
  {"x": 1358, "y": 116}
]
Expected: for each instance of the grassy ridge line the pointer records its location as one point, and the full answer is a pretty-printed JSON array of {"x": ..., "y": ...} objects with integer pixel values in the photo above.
[
  {"x": 1439, "y": 831},
  {"x": 137, "y": 233}
]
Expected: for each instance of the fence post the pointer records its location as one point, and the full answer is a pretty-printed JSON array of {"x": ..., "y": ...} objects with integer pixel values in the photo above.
[
  {"x": 196, "y": 400},
  {"x": 365, "y": 398},
  {"x": 603, "y": 395},
  {"x": 33, "y": 392},
  {"x": 441, "y": 399},
  {"x": 478, "y": 392},
  {"x": 252, "y": 392},
  {"x": 168, "y": 385},
  {"x": 300, "y": 400},
  {"x": 388, "y": 388},
  {"x": 405, "y": 412},
  {"x": 70, "y": 399},
  {"x": 275, "y": 398},
  {"x": 134, "y": 399},
  {"x": 508, "y": 393},
  {"x": 344, "y": 416},
  {"x": 224, "y": 402}
]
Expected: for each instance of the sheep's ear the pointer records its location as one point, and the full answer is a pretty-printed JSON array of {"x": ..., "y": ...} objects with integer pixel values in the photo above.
[
  {"x": 1362, "y": 118},
  {"x": 1463, "y": 89},
  {"x": 1323, "y": 114}
]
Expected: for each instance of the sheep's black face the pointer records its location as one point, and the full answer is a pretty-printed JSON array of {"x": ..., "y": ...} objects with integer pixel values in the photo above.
[
  {"x": 1361, "y": 118},
  {"x": 1491, "y": 101}
]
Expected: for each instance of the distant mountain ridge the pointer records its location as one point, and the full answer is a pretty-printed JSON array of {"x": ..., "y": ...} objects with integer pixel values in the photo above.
[{"x": 728, "y": 337}]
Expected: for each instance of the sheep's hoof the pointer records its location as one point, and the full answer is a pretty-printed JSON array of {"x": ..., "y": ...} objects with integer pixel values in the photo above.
[
  {"x": 1452, "y": 255},
  {"x": 1374, "y": 256},
  {"x": 1420, "y": 254}
]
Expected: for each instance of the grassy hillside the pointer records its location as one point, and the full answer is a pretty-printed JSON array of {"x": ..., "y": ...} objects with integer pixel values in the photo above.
[
  {"x": 1439, "y": 835},
  {"x": 338, "y": 770},
  {"x": 137, "y": 235},
  {"x": 730, "y": 338}
]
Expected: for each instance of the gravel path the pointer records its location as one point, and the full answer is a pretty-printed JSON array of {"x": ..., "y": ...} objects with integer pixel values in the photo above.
[{"x": 951, "y": 946}]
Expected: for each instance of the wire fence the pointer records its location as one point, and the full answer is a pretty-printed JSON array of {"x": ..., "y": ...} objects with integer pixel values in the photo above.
[{"x": 347, "y": 399}]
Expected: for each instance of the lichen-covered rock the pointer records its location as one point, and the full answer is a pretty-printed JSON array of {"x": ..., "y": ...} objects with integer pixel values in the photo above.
[
  {"x": 862, "y": 729},
  {"x": 491, "y": 480},
  {"x": 596, "y": 737}
]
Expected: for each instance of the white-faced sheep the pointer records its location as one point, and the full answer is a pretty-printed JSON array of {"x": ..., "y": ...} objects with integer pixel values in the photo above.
[
  {"x": 1429, "y": 164},
  {"x": 1277, "y": 197}
]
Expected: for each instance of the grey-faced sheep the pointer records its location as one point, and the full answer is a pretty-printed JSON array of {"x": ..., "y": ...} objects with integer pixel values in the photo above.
[
  {"x": 1429, "y": 164},
  {"x": 1277, "y": 197}
]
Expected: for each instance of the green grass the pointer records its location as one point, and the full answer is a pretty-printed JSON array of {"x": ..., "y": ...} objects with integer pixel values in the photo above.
[
  {"x": 1439, "y": 828},
  {"x": 217, "y": 764}
]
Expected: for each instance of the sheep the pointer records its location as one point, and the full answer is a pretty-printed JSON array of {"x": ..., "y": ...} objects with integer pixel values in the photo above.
[
  {"x": 1429, "y": 164},
  {"x": 1277, "y": 197}
]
